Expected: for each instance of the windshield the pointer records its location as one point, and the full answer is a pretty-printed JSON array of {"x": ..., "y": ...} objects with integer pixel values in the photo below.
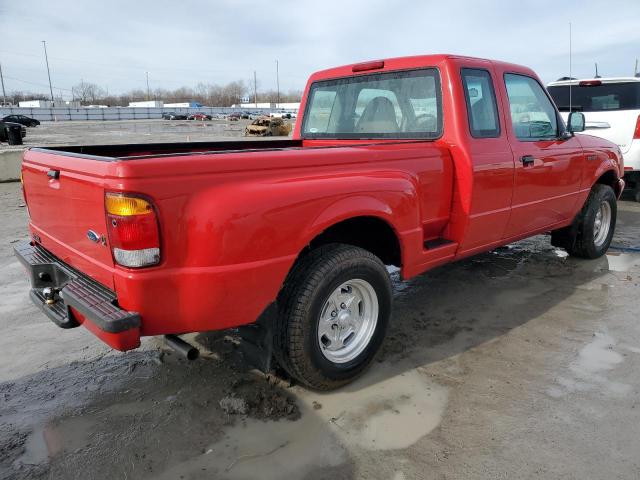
[
  {"x": 597, "y": 98},
  {"x": 404, "y": 104}
]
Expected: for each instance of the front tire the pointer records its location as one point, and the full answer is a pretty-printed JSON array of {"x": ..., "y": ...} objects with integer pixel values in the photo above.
[
  {"x": 333, "y": 313},
  {"x": 595, "y": 226}
]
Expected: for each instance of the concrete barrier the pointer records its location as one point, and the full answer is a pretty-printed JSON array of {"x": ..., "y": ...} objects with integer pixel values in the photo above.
[{"x": 10, "y": 165}]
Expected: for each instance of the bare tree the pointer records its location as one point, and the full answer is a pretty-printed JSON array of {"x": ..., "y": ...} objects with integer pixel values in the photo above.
[
  {"x": 204, "y": 93},
  {"x": 87, "y": 93}
]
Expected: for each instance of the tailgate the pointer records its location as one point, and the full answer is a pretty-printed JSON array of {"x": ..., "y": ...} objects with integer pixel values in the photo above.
[{"x": 65, "y": 197}]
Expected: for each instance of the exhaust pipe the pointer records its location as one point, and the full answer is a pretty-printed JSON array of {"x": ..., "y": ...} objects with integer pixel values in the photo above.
[{"x": 183, "y": 348}]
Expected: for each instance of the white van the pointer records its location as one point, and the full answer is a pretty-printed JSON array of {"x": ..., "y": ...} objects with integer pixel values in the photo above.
[{"x": 611, "y": 107}]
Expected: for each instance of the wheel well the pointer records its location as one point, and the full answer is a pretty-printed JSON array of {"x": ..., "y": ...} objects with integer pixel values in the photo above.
[
  {"x": 610, "y": 178},
  {"x": 370, "y": 233}
]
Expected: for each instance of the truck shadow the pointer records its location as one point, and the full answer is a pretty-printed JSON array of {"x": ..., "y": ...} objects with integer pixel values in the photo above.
[{"x": 461, "y": 306}]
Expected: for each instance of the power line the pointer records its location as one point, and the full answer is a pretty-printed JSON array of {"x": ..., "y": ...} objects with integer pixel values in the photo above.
[{"x": 35, "y": 84}]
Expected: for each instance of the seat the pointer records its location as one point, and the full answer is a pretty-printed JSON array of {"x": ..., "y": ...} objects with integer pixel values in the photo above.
[
  {"x": 483, "y": 115},
  {"x": 379, "y": 116}
]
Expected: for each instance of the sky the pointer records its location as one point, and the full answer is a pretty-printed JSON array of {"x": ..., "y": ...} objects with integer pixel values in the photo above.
[{"x": 114, "y": 43}]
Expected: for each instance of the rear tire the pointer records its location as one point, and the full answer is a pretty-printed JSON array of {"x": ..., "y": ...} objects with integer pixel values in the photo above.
[
  {"x": 595, "y": 225},
  {"x": 333, "y": 313}
]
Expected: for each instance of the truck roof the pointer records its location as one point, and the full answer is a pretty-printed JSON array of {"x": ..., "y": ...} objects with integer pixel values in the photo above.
[
  {"x": 576, "y": 81},
  {"x": 409, "y": 62}
]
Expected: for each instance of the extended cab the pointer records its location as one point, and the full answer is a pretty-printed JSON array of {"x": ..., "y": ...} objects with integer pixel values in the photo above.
[{"x": 413, "y": 162}]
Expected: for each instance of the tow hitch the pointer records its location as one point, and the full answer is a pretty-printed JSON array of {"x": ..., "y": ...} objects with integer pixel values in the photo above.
[{"x": 49, "y": 295}]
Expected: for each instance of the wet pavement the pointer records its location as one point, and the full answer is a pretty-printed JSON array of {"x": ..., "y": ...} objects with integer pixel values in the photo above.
[{"x": 518, "y": 363}]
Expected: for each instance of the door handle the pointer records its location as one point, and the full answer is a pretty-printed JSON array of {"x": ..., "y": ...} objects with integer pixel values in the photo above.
[
  {"x": 55, "y": 174},
  {"x": 527, "y": 160}
]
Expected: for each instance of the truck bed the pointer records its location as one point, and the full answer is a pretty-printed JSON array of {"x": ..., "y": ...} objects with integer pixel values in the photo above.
[{"x": 144, "y": 150}]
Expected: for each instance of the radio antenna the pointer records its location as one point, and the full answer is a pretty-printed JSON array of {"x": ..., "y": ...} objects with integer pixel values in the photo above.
[
  {"x": 635, "y": 70},
  {"x": 597, "y": 76},
  {"x": 570, "y": 72}
]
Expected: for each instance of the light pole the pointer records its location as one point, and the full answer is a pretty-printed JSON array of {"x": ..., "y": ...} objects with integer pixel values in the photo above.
[
  {"x": 255, "y": 89},
  {"x": 277, "y": 85},
  {"x": 4, "y": 95},
  {"x": 46, "y": 59},
  {"x": 148, "y": 97}
]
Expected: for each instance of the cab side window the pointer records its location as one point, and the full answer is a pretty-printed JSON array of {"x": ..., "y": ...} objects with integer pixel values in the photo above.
[
  {"x": 482, "y": 110},
  {"x": 532, "y": 113}
]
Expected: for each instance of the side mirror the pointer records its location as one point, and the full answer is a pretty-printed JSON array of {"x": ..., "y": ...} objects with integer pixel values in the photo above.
[{"x": 576, "y": 122}]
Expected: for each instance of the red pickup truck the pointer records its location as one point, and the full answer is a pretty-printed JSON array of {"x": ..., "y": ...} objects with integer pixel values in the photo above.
[{"x": 412, "y": 162}]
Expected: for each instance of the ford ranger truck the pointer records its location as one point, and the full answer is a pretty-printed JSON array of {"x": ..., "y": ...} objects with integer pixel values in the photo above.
[
  {"x": 413, "y": 162},
  {"x": 611, "y": 107}
]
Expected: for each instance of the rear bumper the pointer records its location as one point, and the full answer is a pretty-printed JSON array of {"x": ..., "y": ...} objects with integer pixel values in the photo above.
[{"x": 77, "y": 299}]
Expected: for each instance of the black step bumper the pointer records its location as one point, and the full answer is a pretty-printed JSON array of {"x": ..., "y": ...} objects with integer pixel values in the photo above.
[{"x": 72, "y": 289}]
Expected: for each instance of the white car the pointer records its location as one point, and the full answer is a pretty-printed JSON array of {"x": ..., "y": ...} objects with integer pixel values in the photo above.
[{"x": 611, "y": 107}]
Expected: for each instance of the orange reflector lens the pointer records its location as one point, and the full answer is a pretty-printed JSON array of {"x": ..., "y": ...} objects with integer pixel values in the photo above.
[{"x": 117, "y": 204}]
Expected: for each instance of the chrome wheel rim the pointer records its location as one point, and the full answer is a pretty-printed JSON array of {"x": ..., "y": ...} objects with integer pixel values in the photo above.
[
  {"x": 348, "y": 321},
  {"x": 601, "y": 224}
]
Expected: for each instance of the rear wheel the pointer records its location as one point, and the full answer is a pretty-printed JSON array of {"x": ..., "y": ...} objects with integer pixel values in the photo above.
[
  {"x": 591, "y": 236},
  {"x": 333, "y": 315}
]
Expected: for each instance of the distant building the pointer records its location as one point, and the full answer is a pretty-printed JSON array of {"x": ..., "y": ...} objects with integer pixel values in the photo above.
[
  {"x": 183, "y": 105},
  {"x": 148, "y": 104},
  {"x": 49, "y": 104},
  {"x": 294, "y": 106},
  {"x": 36, "y": 104}
]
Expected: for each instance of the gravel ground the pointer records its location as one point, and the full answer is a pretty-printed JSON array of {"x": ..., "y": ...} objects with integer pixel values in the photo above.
[
  {"x": 519, "y": 363},
  {"x": 130, "y": 131}
]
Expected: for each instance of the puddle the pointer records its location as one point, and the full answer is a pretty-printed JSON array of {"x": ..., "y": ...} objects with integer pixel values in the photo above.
[
  {"x": 589, "y": 370},
  {"x": 379, "y": 412},
  {"x": 623, "y": 262},
  {"x": 388, "y": 414},
  {"x": 597, "y": 356},
  {"x": 45, "y": 441}
]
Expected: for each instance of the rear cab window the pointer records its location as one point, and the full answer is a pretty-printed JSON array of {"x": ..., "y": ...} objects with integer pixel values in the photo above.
[
  {"x": 482, "y": 110},
  {"x": 399, "y": 104},
  {"x": 533, "y": 116},
  {"x": 593, "y": 96}
]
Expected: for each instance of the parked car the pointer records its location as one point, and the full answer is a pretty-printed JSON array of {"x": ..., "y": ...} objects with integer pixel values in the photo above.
[
  {"x": 289, "y": 240},
  {"x": 233, "y": 117},
  {"x": 267, "y": 127},
  {"x": 173, "y": 116},
  {"x": 199, "y": 116},
  {"x": 22, "y": 120},
  {"x": 6, "y": 129},
  {"x": 611, "y": 107}
]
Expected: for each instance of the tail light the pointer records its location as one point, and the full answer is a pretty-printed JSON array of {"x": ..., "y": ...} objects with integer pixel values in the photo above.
[
  {"x": 636, "y": 133},
  {"x": 132, "y": 226}
]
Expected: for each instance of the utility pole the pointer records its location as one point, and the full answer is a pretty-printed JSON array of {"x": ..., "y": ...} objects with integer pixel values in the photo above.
[
  {"x": 570, "y": 69},
  {"x": 255, "y": 89},
  {"x": 4, "y": 95},
  {"x": 46, "y": 59},
  {"x": 148, "y": 86},
  {"x": 277, "y": 85}
]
